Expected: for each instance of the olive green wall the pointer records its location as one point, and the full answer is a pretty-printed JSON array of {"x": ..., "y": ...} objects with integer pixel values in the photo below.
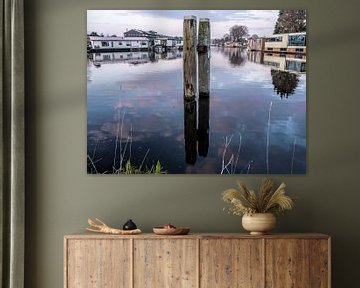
[{"x": 60, "y": 195}]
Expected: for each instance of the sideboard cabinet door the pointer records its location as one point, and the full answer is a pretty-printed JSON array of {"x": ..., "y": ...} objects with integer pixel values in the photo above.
[
  {"x": 297, "y": 263},
  {"x": 165, "y": 263},
  {"x": 320, "y": 263},
  {"x": 231, "y": 263},
  {"x": 98, "y": 263},
  {"x": 287, "y": 263}
]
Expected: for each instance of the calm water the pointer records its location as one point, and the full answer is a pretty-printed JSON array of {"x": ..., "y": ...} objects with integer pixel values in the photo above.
[{"x": 253, "y": 122}]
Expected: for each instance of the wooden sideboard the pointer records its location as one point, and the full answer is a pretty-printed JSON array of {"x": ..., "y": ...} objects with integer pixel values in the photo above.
[{"x": 197, "y": 261}]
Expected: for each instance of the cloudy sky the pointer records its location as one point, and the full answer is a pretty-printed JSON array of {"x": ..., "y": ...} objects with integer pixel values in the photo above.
[{"x": 169, "y": 22}]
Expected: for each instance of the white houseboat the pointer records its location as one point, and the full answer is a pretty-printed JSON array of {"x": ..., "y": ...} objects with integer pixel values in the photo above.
[
  {"x": 135, "y": 40},
  {"x": 286, "y": 43},
  {"x": 169, "y": 42},
  {"x": 118, "y": 43}
]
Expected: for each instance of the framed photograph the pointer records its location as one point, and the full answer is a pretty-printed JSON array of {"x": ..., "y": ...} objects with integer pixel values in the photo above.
[{"x": 196, "y": 92}]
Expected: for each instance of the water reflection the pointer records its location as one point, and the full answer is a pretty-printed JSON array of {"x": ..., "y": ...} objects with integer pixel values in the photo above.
[
  {"x": 284, "y": 82},
  {"x": 136, "y": 57},
  {"x": 236, "y": 56},
  {"x": 190, "y": 131},
  {"x": 285, "y": 70},
  {"x": 203, "y": 130},
  {"x": 188, "y": 136},
  {"x": 256, "y": 56},
  {"x": 196, "y": 137},
  {"x": 284, "y": 62}
]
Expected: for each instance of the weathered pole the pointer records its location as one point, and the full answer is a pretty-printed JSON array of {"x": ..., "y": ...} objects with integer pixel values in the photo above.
[
  {"x": 204, "y": 57},
  {"x": 204, "y": 74},
  {"x": 204, "y": 35},
  {"x": 189, "y": 58}
]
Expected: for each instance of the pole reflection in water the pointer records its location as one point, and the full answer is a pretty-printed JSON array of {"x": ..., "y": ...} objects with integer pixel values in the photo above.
[
  {"x": 204, "y": 127},
  {"x": 190, "y": 131}
]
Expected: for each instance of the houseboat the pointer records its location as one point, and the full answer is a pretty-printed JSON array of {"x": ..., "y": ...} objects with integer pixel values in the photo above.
[
  {"x": 257, "y": 44},
  {"x": 163, "y": 44},
  {"x": 294, "y": 43},
  {"x": 135, "y": 40},
  {"x": 104, "y": 44}
]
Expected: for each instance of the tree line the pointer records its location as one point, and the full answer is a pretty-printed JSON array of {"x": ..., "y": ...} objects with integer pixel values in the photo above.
[
  {"x": 288, "y": 21},
  {"x": 101, "y": 34}
]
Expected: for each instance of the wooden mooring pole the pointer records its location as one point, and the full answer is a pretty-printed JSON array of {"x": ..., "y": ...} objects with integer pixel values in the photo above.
[
  {"x": 204, "y": 74},
  {"x": 189, "y": 58},
  {"x": 204, "y": 35},
  {"x": 204, "y": 57}
]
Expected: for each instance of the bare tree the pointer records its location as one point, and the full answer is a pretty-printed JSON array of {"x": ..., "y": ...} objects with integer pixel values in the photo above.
[
  {"x": 237, "y": 32},
  {"x": 226, "y": 37}
]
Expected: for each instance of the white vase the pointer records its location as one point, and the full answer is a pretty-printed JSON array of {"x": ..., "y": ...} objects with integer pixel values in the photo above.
[{"x": 259, "y": 223}]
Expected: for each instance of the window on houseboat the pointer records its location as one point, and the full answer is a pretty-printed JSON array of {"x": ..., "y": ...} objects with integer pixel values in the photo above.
[
  {"x": 297, "y": 40},
  {"x": 274, "y": 39},
  {"x": 104, "y": 44}
]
